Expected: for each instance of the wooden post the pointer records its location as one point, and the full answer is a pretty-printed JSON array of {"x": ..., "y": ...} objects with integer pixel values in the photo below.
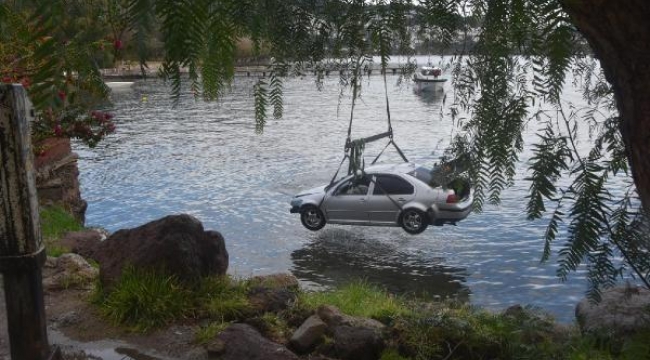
[{"x": 21, "y": 250}]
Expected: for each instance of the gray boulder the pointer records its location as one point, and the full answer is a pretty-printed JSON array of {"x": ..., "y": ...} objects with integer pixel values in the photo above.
[
  {"x": 176, "y": 245},
  {"x": 308, "y": 335},
  {"x": 621, "y": 311},
  {"x": 357, "y": 343},
  {"x": 355, "y": 338},
  {"x": 241, "y": 341}
]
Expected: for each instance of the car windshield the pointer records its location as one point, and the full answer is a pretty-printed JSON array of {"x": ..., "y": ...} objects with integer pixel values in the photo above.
[{"x": 421, "y": 173}]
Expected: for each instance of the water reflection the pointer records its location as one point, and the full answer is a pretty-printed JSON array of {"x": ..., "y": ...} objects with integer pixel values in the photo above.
[
  {"x": 432, "y": 96},
  {"x": 336, "y": 256}
]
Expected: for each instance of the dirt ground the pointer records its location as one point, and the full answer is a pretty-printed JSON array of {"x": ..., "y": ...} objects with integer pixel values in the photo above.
[{"x": 81, "y": 333}]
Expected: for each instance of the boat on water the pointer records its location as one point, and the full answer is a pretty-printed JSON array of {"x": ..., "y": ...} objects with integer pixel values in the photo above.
[
  {"x": 119, "y": 85},
  {"x": 428, "y": 78}
]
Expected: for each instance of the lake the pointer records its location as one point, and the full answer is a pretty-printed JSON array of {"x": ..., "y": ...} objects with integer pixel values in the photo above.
[{"x": 205, "y": 159}]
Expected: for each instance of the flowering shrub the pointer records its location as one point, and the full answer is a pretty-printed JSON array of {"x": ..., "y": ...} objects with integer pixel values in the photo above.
[{"x": 63, "y": 102}]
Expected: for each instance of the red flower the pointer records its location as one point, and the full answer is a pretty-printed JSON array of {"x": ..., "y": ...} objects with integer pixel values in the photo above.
[
  {"x": 62, "y": 95},
  {"x": 58, "y": 131},
  {"x": 117, "y": 44}
]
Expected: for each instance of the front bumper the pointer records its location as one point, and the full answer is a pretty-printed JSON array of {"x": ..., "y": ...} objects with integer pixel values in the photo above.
[{"x": 294, "y": 209}]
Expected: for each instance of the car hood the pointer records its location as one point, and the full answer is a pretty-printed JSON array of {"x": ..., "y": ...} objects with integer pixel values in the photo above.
[{"x": 313, "y": 191}]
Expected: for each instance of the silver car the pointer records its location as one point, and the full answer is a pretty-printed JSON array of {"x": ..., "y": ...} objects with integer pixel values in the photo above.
[{"x": 403, "y": 195}]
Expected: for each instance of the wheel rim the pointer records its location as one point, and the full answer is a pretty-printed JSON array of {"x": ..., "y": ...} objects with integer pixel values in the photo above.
[
  {"x": 412, "y": 220},
  {"x": 312, "y": 218}
]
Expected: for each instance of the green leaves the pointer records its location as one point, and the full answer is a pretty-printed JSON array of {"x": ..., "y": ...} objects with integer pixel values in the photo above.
[{"x": 551, "y": 157}]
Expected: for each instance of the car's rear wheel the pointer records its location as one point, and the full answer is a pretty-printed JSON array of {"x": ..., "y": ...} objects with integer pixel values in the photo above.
[
  {"x": 413, "y": 221},
  {"x": 312, "y": 218}
]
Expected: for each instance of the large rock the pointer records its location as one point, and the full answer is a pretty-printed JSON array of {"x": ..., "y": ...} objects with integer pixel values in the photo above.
[
  {"x": 176, "y": 245},
  {"x": 272, "y": 293},
  {"x": 333, "y": 317},
  {"x": 241, "y": 341},
  {"x": 355, "y": 338},
  {"x": 357, "y": 343},
  {"x": 84, "y": 242},
  {"x": 621, "y": 311}
]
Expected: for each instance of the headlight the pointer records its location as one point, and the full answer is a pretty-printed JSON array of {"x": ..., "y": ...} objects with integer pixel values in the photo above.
[{"x": 296, "y": 202}]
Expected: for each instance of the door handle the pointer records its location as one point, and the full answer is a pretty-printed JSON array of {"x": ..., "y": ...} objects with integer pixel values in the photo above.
[{"x": 401, "y": 199}]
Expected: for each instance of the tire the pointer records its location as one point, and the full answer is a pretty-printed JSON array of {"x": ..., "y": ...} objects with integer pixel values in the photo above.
[
  {"x": 312, "y": 218},
  {"x": 413, "y": 221}
]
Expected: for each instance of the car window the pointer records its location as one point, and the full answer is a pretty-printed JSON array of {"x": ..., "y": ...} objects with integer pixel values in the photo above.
[
  {"x": 392, "y": 185},
  {"x": 354, "y": 186}
]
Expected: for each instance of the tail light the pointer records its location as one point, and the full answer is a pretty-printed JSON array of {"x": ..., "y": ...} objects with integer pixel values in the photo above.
[{"x": 452, "y": 199}]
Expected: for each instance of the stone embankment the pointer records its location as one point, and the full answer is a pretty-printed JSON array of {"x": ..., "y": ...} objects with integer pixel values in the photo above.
[{"x": 57, "y": 176}]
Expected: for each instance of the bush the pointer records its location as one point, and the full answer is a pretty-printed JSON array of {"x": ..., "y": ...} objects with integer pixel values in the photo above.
[{"x": 144, "y": 300}]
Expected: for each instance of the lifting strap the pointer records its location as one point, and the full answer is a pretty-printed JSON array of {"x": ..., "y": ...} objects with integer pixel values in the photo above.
[{"x": 354, "y": 148}]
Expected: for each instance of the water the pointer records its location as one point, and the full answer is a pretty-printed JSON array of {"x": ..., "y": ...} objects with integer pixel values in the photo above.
[{"x": 205, "y": 159}]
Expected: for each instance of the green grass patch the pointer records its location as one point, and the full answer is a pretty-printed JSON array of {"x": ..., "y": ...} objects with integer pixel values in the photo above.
[
  {"x": 144, "y": 300},
  {"x": 56, "y": 221},
  {"x": 221, "y": 297},
  {"x": 460, "y": 331},
  {"x": 208, "y": 332},
  {"x": 359, "y": 298}
]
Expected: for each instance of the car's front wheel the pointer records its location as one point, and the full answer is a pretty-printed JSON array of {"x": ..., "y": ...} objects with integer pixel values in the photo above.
[
  {"x": 312, "y": 218},
  {"x": 414, "y": 221}
]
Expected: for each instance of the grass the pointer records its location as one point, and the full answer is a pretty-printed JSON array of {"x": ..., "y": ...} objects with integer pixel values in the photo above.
[
  {"x": 221, "y": 297},
  {"x": 359, "y": 298},
  {"x": 55, "y": 222},
  {"x": 144, "y": 300},
  {"x": 207, "y": 333}
]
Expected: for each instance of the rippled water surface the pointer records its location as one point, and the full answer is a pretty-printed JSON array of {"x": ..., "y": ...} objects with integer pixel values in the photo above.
[{"x": 206, "y": 160}]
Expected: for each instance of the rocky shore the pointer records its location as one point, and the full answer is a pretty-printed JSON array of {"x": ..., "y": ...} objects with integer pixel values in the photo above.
[{"x": 274, "y": 323}]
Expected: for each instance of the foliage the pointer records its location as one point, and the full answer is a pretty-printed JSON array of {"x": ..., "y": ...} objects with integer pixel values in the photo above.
[
  {"x": 52, "y": 53},
  {"x": 144, "y": 300},
  {"x": 497, "y": 97}
]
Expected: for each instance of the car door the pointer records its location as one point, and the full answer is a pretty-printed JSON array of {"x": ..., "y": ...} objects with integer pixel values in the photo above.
[
  {"x": 347, "y": 203},
  {"x": 390, "y": 192}
]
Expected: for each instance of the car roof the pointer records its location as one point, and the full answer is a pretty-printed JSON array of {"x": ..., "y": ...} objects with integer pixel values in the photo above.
[{"x": 401, "y": 168}]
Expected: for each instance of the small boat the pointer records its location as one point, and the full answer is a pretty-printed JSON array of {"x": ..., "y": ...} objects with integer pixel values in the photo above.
[
  {"x": 428, "y": 78},
  {"x": 119, "y": 85}
]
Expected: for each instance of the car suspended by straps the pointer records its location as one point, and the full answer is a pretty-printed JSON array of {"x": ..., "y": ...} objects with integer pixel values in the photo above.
[{"x": 405, "y": 195}]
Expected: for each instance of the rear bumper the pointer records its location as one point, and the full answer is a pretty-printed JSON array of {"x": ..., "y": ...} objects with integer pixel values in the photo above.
[{"x": 452, "y": 214}]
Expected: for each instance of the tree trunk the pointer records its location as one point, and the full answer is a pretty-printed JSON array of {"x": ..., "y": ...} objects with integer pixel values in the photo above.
[{"x": 619, "y": 33}]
